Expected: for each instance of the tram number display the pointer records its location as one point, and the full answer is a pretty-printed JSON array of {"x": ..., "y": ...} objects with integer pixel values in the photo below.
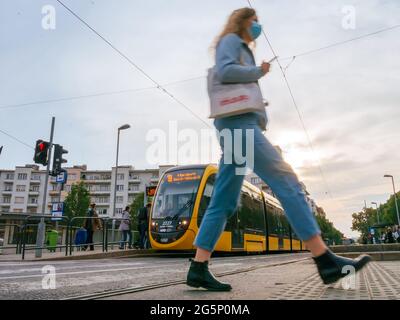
[{"x": 182, "y": 176}]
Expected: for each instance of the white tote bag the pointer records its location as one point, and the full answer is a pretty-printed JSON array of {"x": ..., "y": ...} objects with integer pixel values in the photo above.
[{"x": 232, "y": 99}]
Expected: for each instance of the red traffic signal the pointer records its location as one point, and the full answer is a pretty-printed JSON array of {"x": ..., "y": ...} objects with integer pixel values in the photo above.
[{"x": 41, "y": 152}]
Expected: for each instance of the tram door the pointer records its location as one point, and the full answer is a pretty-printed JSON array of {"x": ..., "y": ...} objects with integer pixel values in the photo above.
[
  {"x": 237, "y": 231},
  {"x": 280, "y": 232}
]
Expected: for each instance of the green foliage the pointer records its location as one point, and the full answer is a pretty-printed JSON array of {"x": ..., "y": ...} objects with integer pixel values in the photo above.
[
  {"x": 328, "y": 231},
  {"x": 77, "y": 201},
  {"x": 137, "y": 203},
  {"x": 366, "y": 218}
]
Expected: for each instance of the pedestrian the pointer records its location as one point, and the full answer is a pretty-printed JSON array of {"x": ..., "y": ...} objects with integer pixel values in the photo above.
[
  {"x": 235, "y": 64},
  {"x": 389, "y": 235},
  {"x": 91, "y": 224},
  {"x": 395, "y": 234},
  {"x": 143, "y": 223},
  {"x": 398, "y": 233},
  {"x": 125, "y": 228}
]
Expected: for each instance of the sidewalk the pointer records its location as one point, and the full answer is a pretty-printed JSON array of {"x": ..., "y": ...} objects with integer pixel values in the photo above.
[
  {"x": 297, "y": 281},
  {"x": 76, "y": 255}
]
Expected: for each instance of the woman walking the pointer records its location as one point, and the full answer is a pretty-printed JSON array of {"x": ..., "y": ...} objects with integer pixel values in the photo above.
[{"x": 235, "y": 64}]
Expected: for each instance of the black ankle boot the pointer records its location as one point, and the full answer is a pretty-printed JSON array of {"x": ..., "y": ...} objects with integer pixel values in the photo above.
[
  {"x": 330, "y": 266},
  {"x": 200, "y": 276}
]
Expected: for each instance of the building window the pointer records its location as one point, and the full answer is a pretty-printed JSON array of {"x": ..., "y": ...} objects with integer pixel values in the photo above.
[
  {"x": 32, "y": 210},
  {"x": 121, "y": 176},
  {"x": 133, "y": 187},
  {"x": 102, "y": 211},
  {"x": 19, "y": 199},
  {"x": 22, "y": 176},
  {"x": 18, "y": 210},
  {"x": 67, "y": 188},
  {"x": 7, "y": 200},
  {"x": 72, "y": 177},
  {"x": 33, "y": 200},
  {"x": 119, "y": 199},
  {"x": 118, "y": 210},
  {"x": 10, "y": 176},
  {"x": 256, "y": 180},
  {"x": 120, "y": 187},
  {"x": 20, "y": 188},
  {"x": 54, "y": 199},
  {"x": 8, "y": 187},
  {"x": 35, "y": 177},
  {"x": 34, "y": 189},
  {"x": 133, "y": 177}
]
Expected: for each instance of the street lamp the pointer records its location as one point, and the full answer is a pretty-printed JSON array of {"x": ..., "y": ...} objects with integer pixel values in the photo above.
[
  {"x": 395, "y": 197},
  {"x": 377, "y": 210},
  {"x": 124, "y": 127}
]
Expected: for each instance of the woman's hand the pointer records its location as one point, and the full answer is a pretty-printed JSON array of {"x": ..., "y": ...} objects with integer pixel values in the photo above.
[{"x": 265, "y": 66}]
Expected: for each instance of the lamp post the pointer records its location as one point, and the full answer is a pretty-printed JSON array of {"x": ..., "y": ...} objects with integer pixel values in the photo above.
[
  {"x": 124, "y": 127},
  {"x": 395, "y": 197},
  {"x": 377, "y": 210}
]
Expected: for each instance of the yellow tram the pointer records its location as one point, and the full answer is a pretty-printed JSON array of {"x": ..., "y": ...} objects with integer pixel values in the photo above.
[{"x": 182, "y": 196}]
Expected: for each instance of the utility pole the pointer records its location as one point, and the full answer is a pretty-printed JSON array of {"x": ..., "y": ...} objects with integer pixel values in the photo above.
[{"x": 42, "y": 226}]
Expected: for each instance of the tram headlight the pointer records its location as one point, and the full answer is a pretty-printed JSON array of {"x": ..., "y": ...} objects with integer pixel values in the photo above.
[
  {"x": 154, "y": 225},
  {"x": 182, "y": 225}
]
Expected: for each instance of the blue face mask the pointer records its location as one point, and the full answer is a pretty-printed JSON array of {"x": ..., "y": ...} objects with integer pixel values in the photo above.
[{"x": 255, "y": 30}]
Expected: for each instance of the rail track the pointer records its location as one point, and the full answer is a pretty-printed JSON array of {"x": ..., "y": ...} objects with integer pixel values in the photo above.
[{"x": 118, "y": 292}]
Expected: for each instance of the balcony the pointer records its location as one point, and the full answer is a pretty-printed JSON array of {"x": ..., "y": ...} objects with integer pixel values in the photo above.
[
  {"x": 154, "y": 179},
  {"x": 99, "y": 191},
  {"x": 133, "y": 191},
  {"x": 7, "y": 191},
  {"x": 32, "y": 204},
  {"x": 135, "y": 179},
  {"x": 35, "y": 181},
  {"x": 33, "y": 192}
]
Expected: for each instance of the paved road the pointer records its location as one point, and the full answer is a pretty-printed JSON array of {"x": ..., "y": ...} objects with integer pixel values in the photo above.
[
  {"x": 23, "y": 280},
  {"x": 297, "y": 281}
]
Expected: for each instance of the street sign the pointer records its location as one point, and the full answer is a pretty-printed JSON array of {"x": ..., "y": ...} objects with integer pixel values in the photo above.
[
  {"x": 62, "y": 177},
  {"x": 57, "y": 211}
]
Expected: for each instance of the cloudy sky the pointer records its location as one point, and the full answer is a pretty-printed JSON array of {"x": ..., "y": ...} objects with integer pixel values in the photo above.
[{"x": 348, "y": 95}]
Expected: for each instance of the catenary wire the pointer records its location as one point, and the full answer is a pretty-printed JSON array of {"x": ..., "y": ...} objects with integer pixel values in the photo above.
[
  {"x": 16, "y": 139},
  {"x": 131, "y": 62},
  {"x": 55, "y": 100},
  {"x": 297, "y": 108}
]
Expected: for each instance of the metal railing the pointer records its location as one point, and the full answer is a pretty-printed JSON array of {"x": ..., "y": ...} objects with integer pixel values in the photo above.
[{"x": 45, "y": 217}]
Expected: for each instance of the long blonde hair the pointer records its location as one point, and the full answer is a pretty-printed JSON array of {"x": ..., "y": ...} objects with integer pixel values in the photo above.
[{"x": 235, "y": 24}]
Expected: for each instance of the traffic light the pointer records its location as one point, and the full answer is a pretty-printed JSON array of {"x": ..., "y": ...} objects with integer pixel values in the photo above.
[
  {"x": 41, "y": 152},
  {"x": 58, "y": 159}
]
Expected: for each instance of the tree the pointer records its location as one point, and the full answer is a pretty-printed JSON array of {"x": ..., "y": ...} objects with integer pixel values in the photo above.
[
  {"x": 365, "y": 219},
  {"x": 138, "y": 202},
  {"x": 77, "y": 201},
  {"x": 328, "y": 231}
]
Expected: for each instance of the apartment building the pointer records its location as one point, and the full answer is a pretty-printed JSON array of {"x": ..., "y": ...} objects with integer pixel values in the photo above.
[{"x": 22, "y": 189}]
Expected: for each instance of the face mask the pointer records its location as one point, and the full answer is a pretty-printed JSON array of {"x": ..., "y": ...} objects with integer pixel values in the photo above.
[{"x": 255, "y": 30}]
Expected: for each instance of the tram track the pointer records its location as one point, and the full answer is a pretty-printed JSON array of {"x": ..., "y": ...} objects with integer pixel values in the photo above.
[{"x": 129, "y": 290}]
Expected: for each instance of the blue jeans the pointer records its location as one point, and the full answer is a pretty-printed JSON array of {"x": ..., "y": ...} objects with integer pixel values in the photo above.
[
  {"x": 271, "y": 168},
  {"x": 125, "y": 235}
]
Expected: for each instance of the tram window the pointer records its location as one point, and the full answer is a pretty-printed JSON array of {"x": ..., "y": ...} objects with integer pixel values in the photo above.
[
  {"x": 251, "y": 214},
  {"x": 206, "y": 197}
]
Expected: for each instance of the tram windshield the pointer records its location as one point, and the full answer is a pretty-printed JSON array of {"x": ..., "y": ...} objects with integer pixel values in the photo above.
[{"x": 176, "y": 194}]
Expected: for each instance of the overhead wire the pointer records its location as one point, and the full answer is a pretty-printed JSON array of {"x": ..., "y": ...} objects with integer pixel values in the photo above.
[
  {"x": 297, "y": 109},
  {"x": 132, "y": 63}
]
